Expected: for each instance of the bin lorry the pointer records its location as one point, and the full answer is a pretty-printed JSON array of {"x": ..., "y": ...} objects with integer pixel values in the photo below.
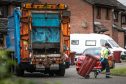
[{"x": 39, "y": 35}]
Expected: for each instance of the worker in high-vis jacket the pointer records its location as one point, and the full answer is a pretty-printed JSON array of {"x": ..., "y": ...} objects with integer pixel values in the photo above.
[{"x": 104, "y": 59}]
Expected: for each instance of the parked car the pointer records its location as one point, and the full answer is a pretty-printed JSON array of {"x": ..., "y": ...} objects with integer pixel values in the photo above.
[
  {"x": 123, "y": 57},
  {"x": 95, "y": 51}
]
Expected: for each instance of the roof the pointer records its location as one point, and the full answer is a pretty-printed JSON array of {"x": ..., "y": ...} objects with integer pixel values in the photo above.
[
  {"x": 3, "y": 25},
  {"x": 18, "y": 1},
  {"x": 113, "y": 3},
  {"x": 99, "y": 28},
  {"x": 118, "y": 5},
  {"x": 118, "y": 28},
  {"x": 100, "y": 2}
]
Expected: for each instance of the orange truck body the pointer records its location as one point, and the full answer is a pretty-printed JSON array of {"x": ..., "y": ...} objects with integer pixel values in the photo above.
[{"x": 38, "y": 58}]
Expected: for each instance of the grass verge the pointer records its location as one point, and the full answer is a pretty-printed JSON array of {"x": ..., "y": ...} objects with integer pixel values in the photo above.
[{"x": 118, "y": 71}]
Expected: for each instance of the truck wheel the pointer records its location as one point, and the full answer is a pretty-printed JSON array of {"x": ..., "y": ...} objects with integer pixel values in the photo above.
[
  {"x": 61, "y": 71},
  {"x": 19, "y": 71},
  {"x": 51, "y": 74}
]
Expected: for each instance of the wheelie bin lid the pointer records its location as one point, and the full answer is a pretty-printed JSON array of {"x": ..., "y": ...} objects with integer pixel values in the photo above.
[{"x": 89, "y": 55}]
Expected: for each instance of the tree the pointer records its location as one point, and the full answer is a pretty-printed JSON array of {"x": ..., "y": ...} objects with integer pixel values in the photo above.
[{"x": 6, "y": 76}]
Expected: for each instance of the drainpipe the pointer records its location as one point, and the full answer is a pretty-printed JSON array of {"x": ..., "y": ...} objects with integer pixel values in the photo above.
[
  {"x": 120, "y": 16},
  {"x": 112, "y": 20},
  {"x": 93, "y": 19}
]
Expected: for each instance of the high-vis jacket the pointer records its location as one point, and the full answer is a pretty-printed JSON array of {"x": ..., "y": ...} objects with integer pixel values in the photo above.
[{"x": 104, "y": 53}]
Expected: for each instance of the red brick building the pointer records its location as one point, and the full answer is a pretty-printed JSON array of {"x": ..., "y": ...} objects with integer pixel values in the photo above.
[
  {"x": 6, "y": 9},
  {"x": 98, "y": 16},
  {"x": 88, "y": 16},
  {"x": 81, "y": 14}
]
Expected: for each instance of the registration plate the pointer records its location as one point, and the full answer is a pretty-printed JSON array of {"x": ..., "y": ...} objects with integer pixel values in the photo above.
[
  {"x": 39, "y": 66},
  {"x": 54, "y": 67}
]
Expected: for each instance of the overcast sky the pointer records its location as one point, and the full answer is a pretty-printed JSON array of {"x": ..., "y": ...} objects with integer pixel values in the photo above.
[{"x": 123, "y": 2}]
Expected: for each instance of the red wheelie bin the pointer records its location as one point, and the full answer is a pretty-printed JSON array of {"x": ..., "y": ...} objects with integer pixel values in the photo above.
[
  {"x": 87, "y": 65},
  {"x": 72, "y": 57},
  {"x": 117, "y": 56}
]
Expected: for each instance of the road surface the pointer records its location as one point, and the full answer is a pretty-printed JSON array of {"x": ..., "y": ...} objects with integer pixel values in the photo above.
[{"x": 71, "y": 77}]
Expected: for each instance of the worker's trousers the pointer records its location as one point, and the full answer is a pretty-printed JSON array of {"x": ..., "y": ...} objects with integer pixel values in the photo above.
[{"x": 105, "y": 66}]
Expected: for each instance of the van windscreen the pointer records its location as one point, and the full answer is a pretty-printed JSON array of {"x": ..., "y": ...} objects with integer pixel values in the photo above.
[{"x": 113, "y": 43}]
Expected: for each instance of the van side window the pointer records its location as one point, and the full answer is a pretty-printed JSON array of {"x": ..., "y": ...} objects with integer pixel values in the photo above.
[
  {"x": 90, "y": 43},
  {"x": 75, "y": 42},
  {"x": 102, "y": 42}
]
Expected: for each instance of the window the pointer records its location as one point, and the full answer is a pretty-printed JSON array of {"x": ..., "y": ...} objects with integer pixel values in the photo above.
[
  {"x": 3, "y": 11},
  {"x": 92, "y": 51},
  {"x": 1, "y": 40},
  {"x": 123, "y": 19},
  {"x": 98, "y": 15},
  {"x": 75, "y": 42},
  {"x": 115, "y": 16},
  {"x": 107, "y": 14},
  {"x": 102, "y": 42},
  {"x": 0, "y": 11},
  {"x": 90, "y": 42},
  {"x": 113, "y": 43}
]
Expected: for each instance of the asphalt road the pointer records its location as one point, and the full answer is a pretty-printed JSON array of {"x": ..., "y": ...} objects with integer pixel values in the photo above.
[{"x": 71, "y": 77}]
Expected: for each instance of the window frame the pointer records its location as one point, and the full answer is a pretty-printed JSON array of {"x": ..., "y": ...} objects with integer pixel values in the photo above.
[
  {"x": 2, "y": 40},
  {"x": 89, "y": 44},
  {"x": 107, "y": 14},
  {"x": 98, "y": 12},
  {"x": 123, "y": 21},
  {"x": 4, "y": 11},
  {"x": 77, "y": 42},
  {"x": 116, "y": 16}
]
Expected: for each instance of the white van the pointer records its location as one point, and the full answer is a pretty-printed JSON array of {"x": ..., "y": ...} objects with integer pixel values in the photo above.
[{"x": 79, "y": 42}]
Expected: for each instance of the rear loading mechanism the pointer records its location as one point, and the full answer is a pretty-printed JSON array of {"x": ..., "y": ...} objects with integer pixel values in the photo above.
[{"x": 43, "y": 31}]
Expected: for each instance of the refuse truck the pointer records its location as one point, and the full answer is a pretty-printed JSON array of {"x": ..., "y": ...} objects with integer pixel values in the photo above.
[{"x": 39, "y": 36}]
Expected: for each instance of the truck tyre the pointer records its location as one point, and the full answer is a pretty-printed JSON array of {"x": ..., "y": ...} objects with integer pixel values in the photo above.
[
  {"x": 61, "y": 71},
  {"x": 19, "y": 71},
  {"x": 51, "y": 74}
]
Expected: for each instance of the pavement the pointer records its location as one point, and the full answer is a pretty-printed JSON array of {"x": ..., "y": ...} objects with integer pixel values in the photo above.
[{"x": 122, "y": 64}]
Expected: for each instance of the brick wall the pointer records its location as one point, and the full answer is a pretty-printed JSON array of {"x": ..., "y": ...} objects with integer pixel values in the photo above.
[
  {"x": 80, "y": 12},
  {"x": 117, "y": 35},
  {"x": 121, "y": 39},
  {"x": 106, "y": 23}
]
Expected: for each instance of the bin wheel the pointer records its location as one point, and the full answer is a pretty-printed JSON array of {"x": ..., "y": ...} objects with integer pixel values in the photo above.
[
  {"x": 87, "y": 76},
  {"x": 95, "y": 74},
  {"x": 113, "y": 65}
]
